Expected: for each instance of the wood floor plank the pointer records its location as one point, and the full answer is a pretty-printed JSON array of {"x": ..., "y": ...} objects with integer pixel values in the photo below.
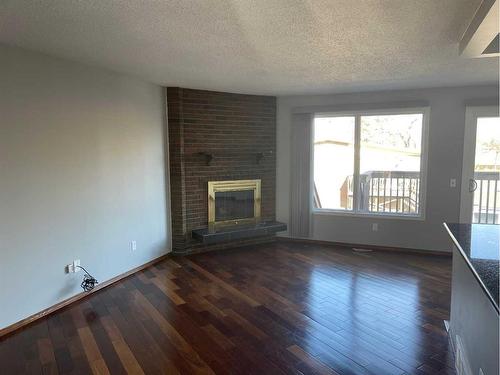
[
  {"x": 46, "y": 351},
  {"x": 170, "y": 332},
  {"x": 316, "y": 366},
  {"x": 168, "y": 291},
  {"x": 277, "y": 308},
  {"x": 96, "y": 362},
  {"x": 223, "y": 284},
  {"x": 126, "y": 356}
]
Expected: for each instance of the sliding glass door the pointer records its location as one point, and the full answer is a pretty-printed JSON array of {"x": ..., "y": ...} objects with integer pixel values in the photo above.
[{"x": 481, "y": 167}]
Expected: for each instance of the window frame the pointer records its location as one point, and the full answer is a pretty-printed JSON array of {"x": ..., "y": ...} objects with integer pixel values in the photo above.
[{"x": 356, "y": 212}]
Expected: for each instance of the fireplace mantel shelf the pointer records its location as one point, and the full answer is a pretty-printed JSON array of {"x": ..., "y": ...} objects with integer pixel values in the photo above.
[
  {"x": 237, "y": 232},
  {"x": 209, "y": 156}
]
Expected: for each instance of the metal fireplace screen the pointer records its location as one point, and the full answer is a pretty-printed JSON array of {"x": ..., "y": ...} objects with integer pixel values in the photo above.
[{"x": 233, "y": 201}]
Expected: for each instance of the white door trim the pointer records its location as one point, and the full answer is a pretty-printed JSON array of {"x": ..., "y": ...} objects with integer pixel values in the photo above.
[{"x": 469, "y": 151}]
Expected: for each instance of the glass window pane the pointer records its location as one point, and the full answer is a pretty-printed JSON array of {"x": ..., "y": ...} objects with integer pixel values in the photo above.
[
  {"x": 390, "y": 154},
  {"x": 486, "y": 206},
  {"x": 333, "y": 162}
]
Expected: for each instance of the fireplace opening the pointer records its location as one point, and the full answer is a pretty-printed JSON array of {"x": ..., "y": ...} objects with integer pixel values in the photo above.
[
  {"x": 233, "y": 205},
  {"x": 235, "y": 201}
]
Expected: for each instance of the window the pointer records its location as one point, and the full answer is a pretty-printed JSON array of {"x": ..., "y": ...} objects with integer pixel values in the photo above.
[
  {"x": 370, "y": 163},
  {"x": 333, "y": 142}
]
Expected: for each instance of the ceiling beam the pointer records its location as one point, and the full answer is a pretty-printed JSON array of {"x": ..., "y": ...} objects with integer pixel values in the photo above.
[{"x": 482, "y": 30}]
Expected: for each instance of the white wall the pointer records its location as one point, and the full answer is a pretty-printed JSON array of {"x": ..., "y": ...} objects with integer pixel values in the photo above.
[
  {"x": 446, "y": 132},
  {"x": 82, "y": 172}
]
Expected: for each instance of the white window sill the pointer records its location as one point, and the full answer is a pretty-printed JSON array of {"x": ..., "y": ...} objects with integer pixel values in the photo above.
[{"x": 367, "y": 215}]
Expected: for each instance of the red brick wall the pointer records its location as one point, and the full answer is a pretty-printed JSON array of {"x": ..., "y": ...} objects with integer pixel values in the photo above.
[{"x": 234, "y": 128}]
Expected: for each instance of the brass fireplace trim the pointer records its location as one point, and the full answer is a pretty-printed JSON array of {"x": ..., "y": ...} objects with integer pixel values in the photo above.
[{"x": 233, "y": 185}]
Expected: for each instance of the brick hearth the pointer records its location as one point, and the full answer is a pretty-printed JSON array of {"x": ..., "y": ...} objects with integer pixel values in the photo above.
[{"x": 234, "y": 129}]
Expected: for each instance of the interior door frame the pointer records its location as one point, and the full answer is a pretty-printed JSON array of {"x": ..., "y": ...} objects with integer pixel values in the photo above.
[{"x": 472, "y": 113}]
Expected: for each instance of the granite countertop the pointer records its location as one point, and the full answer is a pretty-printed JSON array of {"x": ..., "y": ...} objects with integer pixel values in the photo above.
[{"x": 479, "y": 244}]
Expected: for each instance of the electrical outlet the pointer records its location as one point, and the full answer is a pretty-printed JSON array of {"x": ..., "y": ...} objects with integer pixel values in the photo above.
[
  {"x": 73, "y": 267},
  {"x": 375, "y": 227},
  {"x": 453, "y": 182},
  {"x": 133, "y": 245}
]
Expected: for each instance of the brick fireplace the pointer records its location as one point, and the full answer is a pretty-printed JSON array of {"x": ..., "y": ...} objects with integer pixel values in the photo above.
[{"x": 216, "y": 136}]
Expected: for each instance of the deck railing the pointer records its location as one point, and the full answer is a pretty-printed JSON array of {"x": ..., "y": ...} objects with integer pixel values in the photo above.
[
  {"x": 382, "y": 191},
  {"x": 486, "y": 206},
  {"x": 390, "y": 191},
  {"x": 399, "y": 192}
]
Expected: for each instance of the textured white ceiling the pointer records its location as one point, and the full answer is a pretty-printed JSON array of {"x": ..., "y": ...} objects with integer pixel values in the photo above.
[{"x": 258, "y": 46}]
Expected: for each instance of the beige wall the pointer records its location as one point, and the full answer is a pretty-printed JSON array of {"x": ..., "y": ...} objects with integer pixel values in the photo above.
[{"x": 82, "y": 173}]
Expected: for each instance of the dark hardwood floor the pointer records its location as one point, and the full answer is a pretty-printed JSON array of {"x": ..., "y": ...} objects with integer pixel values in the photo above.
[{"x": 270, "y": 309}]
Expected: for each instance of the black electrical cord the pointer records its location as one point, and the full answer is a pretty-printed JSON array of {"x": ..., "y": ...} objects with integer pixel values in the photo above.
[{"x": 89, "y": 281}]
